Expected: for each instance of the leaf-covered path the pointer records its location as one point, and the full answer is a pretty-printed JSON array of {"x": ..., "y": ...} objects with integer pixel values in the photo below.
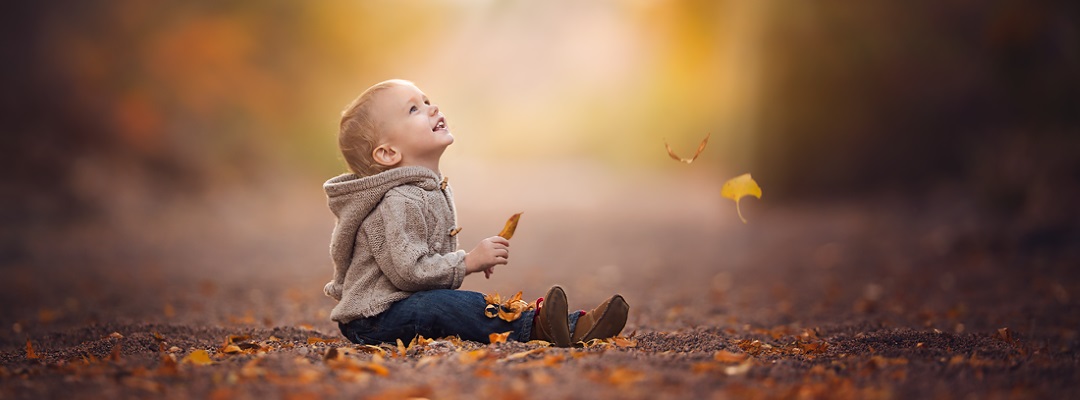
[{"x": 855, "y": 298}]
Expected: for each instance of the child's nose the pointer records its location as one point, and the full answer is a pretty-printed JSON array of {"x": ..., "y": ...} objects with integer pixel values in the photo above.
[{"x": 434, "y": 109}]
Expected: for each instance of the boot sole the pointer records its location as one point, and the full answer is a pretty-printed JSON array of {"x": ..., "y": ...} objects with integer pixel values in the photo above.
[
  {"x": 555, "y": 311},
  {"x": 612, "y": 322}
]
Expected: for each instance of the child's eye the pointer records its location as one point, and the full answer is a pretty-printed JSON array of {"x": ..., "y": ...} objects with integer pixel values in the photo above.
[{"x": 413, "y": 109}]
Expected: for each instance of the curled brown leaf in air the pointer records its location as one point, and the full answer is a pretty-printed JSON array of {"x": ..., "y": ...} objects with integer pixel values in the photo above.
[{"x": 701, "y": 147}]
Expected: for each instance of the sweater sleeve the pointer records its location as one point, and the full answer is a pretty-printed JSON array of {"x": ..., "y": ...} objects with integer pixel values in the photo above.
[{"x": 404, "y": 255}]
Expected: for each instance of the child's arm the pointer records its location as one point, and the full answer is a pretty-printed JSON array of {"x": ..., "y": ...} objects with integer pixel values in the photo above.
[{"x": 404, "y": 253}]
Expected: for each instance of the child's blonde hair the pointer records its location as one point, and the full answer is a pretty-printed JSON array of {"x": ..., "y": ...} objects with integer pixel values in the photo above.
[{"x": 359, "y": 132}]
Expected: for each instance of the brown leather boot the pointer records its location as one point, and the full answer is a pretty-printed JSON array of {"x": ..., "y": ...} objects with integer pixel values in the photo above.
[
  {"x": 550, "y": 324},
  {"x": 604, "y": 321}
]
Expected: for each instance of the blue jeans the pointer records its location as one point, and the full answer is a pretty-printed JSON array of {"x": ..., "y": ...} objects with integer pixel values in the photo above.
[{"x": 435, "y": 314}]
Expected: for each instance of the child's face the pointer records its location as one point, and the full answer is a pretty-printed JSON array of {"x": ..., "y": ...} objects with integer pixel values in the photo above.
[{"x": 410, "y": 125}]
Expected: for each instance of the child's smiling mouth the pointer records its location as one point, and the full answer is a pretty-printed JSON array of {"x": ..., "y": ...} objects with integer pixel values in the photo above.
[{"x": 440, "y": 125}]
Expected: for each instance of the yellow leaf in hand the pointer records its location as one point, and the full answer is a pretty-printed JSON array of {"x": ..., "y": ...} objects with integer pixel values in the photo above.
[
  {"x": 739, "y": 187},
  {"x": 701, "y": 147},
  {"x": 511, "y": 226}
]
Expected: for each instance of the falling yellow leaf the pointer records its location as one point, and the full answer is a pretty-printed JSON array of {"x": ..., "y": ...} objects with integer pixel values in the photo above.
[
  {"x": 739, "y": 187},
  {"x": 169, "y": 311},
  {"x": 198, "y": 357},
  {"x": 511, "y": 226},
  {"x": 498, "y": 337},
  {"x": 30, "y": 353},
  {"x": 701, "y": 147}
]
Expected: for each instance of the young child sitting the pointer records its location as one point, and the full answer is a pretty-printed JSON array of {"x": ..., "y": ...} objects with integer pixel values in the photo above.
[{"x": 396, "y": 261}]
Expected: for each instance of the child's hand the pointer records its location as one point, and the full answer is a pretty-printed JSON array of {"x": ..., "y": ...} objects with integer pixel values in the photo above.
[{"x": 487, "y": 254}]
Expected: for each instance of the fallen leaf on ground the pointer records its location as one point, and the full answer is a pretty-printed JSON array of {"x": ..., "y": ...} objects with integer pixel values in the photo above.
[
  {"x": 523, "y": 354},
  {"x": 498, "y": 337},
  {"x": 425, "y": 360},
  {"x": 30, "y": 353},
  {"x": 625, "y": 376},
  {"x": 114, "y": 355},
  {"x": 231, "y": 349},
  {"x": 509, "y": 310},
  {"x": 401, "y": 348},
  {"x": 739, "y": 187},
  {"x": 739, "y": 369},
  {"x": 314, "y": 340},
  {"x": 472, "y": 356},
  {"x": 367, "y": 348},
  {"x": 1005, "y": 335},
  {"x": 701, "y": 147},
  {"x": 168, "y": 365},
  {"x": 251, "y": 369},
  {"x": 725, "y": 356},
  {"x": 620, "y": 341},
  {"x": 198, "y": 357},
  {"x": 419, "y": 340},
  {"x": 511, "y": 226}
]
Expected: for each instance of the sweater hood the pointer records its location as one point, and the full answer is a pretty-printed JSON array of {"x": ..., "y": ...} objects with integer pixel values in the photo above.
[{"x": 352, "y": 198}]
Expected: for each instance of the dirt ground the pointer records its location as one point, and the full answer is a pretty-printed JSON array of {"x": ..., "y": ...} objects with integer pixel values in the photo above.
[{"x": 888, "y": 296}]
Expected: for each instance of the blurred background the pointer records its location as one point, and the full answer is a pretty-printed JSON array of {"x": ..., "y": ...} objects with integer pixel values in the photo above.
[{"x": 152, "y": 137}]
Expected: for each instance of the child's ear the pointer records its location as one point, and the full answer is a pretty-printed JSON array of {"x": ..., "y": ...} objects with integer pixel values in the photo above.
[{"x": 386, "y": 155}]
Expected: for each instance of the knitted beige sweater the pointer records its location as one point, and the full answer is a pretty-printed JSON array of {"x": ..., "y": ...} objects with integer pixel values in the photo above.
[{"x": 392, "y": 238}]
